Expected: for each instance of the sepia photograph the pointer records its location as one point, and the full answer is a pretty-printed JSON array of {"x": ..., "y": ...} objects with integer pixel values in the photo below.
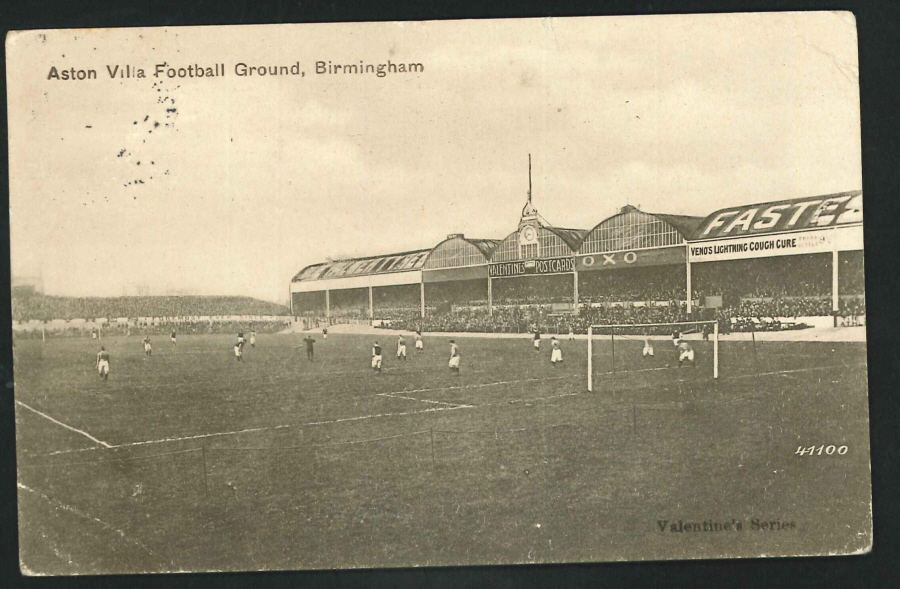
[{"x": 438, "y": 293}]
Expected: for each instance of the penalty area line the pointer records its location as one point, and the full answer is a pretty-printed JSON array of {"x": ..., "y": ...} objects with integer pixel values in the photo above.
[
  {"x": 68, "y": 427},
  {"x": 487, "y": 384},
  {"x": 399, "y": 396},
  {"x": 258, "y": 429}
]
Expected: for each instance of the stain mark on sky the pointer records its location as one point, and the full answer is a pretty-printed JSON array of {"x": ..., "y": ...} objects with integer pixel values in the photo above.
[{"x": 161, "y": 117}]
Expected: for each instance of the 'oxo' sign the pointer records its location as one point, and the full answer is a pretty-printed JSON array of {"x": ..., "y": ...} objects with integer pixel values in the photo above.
[{"x": 614, "y": 260}]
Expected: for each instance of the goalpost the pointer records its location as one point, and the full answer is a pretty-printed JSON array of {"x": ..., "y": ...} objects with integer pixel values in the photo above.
[{"x": 651, "y": 331}]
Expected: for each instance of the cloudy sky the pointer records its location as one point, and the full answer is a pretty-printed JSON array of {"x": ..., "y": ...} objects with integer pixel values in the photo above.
[{"x": 246, "y": 180}]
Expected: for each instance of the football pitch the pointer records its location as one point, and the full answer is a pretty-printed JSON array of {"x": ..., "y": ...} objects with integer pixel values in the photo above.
[{"x": 189, "y": 460}]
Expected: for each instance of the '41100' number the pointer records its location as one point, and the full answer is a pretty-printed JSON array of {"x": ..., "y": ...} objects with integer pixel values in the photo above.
[{"x": 819, "y": 450}]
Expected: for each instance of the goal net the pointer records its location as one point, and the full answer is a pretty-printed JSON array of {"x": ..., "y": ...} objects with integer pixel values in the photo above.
[{"x": 617, "y": 349}]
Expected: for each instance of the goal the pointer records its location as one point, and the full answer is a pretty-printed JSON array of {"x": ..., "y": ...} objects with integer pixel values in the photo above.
[{"x": 603, "y": 358}]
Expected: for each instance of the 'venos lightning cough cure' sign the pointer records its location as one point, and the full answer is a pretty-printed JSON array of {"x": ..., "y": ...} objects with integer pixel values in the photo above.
[{"x": 760, "y": 247}]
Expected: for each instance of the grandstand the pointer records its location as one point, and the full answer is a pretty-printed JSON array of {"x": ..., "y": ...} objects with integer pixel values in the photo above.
[{"x": 776, "y": 264}]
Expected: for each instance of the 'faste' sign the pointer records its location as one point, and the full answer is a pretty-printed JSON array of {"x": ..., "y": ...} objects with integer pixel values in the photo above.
[{"x": 788, "y": 215}]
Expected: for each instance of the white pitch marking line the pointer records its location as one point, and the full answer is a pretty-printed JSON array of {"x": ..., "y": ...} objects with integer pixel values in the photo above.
[
  {"x": 486, "y": 384},
  {"x": 399, "y": 396},
  {"x": 239, "y": 381},
  {"x": 530, "y": 399},
  {"x": 68, "y": 427},
  {"x": 164, "y": 440},
  {"x": 259, "y": 429},
  {"x": 778, "y": 372},
  {"x": 82, "y": 514}
]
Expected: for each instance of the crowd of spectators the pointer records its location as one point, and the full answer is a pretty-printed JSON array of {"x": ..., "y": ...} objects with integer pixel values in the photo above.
[
  {"x": 442, "y": 295},
  {"x": 772, "y": 314},
  {"x": 29, "y": 305},
  {"x": 525, "y": 318},
  {"x": 162, "y": 328},
  {"x": 784, "y": 307},
  {"x": 351, "y": 303},
  {"x": 533, "y": 290},
  {"x": 852, "y": 274},
  {"x": 654, "y": 283},
  {"x": 780, "y": 277}
]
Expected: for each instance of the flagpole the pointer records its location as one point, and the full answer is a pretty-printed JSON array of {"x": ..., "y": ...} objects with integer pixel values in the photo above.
[{"x": 529, "y": 177}]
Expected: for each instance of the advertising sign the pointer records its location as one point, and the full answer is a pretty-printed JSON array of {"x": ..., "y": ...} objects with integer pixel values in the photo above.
[
  {"x": 786, "y": 215},
  {"x": 763, "y": 246},
  {"x": 615, "y": 260},
  {"x": 550, "y": 266}
]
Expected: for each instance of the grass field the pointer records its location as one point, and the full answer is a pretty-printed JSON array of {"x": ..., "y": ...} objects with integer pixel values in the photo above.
[{"x": 189, "y": 460}]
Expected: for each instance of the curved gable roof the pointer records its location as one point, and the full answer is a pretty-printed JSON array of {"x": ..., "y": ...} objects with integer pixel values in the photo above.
[
  {"x": 484, "y": 246},
  {"x": 400, "y": 262},
  {"x": 632, "y": 228},
  {"x": 685, "y": 225},
  {"x": 572, "y": 237}
]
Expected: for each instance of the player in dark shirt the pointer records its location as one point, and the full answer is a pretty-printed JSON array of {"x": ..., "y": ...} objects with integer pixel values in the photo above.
[
  {"x": 173, "y": 338},
  {"x": 376, "y": 358},
  {"x": 309, "y": 347},
  {"x": 103, "y": 363},
  {"x": 537, "y": 339}
]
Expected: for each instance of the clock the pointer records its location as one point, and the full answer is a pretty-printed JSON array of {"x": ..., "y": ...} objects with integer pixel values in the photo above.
[{"x": 528, "y": 235}]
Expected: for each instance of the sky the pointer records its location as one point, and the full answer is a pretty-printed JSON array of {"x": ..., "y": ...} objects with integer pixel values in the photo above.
[{"x": 246, "y": 180}]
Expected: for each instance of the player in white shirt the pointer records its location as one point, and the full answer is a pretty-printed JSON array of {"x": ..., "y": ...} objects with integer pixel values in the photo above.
[
  {"x": 685, "y": 352},
  {"x": 420, "y": 345},
  {"x": 401, "y": 348},
  {"x": 252, "y": 339},
  {"x": 454, "y": 358},
  {"x": 556, "y": 352},
  {"x": 648, "y": 348},
  {"x": 376, "y": 358},
  {"x": 103, "y": 363},
  {"x": 239, "y": 351}
]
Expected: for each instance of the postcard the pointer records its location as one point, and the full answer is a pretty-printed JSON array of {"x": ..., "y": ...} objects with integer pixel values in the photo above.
[{"x": 405, "y": 294}]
